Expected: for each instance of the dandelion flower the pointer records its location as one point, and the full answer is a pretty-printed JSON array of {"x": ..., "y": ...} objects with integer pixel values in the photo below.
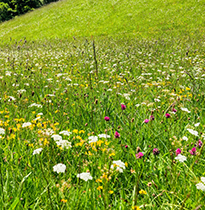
[
  {"x": 59, "y": 168},
  {"x": 85, "y": 176}
]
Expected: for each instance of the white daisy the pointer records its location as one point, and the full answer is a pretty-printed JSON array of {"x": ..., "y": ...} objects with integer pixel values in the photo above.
[{"x": 85, "y": 176}]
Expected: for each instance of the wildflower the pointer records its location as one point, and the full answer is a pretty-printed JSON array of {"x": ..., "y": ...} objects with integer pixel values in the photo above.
[
  {"x": 197, "y": 124},
  {"x": 167, "y": 115},
  {"x": 119, "y": 164},
  {"x": 200, "y": 143},
  {"x": 184, "y": 138},
  {"x": 139, "y": 155},
  {"x": 178, "y": 151},
  {"x": 66, "y": 133},
  {"x": 200, "y": 185},
  {"x": 136, "y": 208},
  {"x": 117, "y": 135},
  {"x": 123, "y": 106},
  {"x": 92, "y": 139},
  {"x": 100, "y": 188},
  {"x": 2, "y": 131},
  {"x": 110, "y": 191},
  {"x": 155, "y": 151},
  {"x": 103, "y": 136},
  {"x": 181, "y": 158},
  {"x": 142, "y": 192},
  {"x": 56, "y": 137},
  {"x": 107, "y": 118},
  {"x": 64, "y": 200},
  {"x": 64, "y": 144},
  {"x": 193, "y": 132},
  {"x": 59, "y": 168},
  {"x": 26, "y": 124},
  {"x": 126, "y": 146},
  {"x": 85, "y": 176},
  {"x": 146, "y": 120},
  {"x": 37, "y": 151},
  {"x": 185, "y": 110},
  {"x": 174, "y": 110},
  {"x": 36, "y": 105},
  {"x": 193, "y": 151},
  {"x": 152, "y": 117}
]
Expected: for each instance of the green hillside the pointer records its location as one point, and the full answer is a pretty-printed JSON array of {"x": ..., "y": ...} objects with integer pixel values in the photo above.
[{"x": 85, "y": 18}]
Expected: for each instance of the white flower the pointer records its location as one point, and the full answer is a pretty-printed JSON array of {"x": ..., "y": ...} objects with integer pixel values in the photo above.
[
  {"x": 56, "y": 137},
  {"x": 2, "y": 131},
  {"x": 181, "y": 158},
  {"x": 40, "y": 113},
  {"x": 193, "y": 132},
  {"x": 11, "y": 98},
  {"x": 185, "y": 110},
  {"x": 37, "y": 151},
  {"x": 103, "y": 135},
  {"x": 21, "y": 91},
  {"x": 92, "y": 139},
  {"x": 59, "y": 168},
  {"x": 200, "y": 186},
  {"x": 184, "y": 138},
  {"x": 85, "y": 176},
  {"x": 197, "y": 124},
  {"x": 64, "y": 144},
  {"x": 36, "y": 105},
  {"x": 66, "y": 133},
  {"x": 26, "y": 124},
  {"x": 119, "y": 164}
]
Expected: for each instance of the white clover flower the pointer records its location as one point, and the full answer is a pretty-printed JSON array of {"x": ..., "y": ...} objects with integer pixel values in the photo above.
[
  {"x": 193, "y": 132},
  {"x": 64, "y": 144},
  {"x": 26, "y": 124},
  {"x": 119, "y": 164},
  {"x": 103, "y": 135},
  {"x": 56, "y": 137},
  {"x": 185, "y": 110},
  {"x": 2, "y": 131},
  {"x": 21, "y": 91},
  {"x": 200, "y": 185},
  {"x": 59, "y": 168},
  {"x": 85, "y": 176},
  {"x": 37, "y": 151},
  {"x": 197, "y": 124},
  {"x": 184, "y": 138},
  {"x": 66, "y": 133},
  {"x": 181, "y": 158},
  {"x": 92, "y": 139}
]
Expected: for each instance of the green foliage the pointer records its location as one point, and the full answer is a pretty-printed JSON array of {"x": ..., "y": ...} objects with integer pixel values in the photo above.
[{"x": 9, "y": 9}]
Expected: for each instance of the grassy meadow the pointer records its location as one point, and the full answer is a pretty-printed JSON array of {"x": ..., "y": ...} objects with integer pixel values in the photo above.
[{"x": 112, "y": 118}]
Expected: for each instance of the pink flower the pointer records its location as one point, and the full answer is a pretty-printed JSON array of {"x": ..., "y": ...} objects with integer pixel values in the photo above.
[
  {"x": 117, "y": 135},
  {"x": 107, "y": 118},
  {"x": 151, "y": 117},
  {"x": 139, "y": 155},
  {"x": 167, "y": 115},
  {"x": 146, "y": 120},
  {"x": 155, "y": 151},
  {"x": 200, "y": 143},
  {"x": 126, "y": 146},
  {"x": 178, "y": 151},
  {"x": 193, "y": 151},
  {"x": 174, "y": 110},
  {"x": 123, "y": 106}
]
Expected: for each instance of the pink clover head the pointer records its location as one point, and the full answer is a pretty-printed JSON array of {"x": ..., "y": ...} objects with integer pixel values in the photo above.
[
  {"x": 139, "y": 155},
  {"x": 117, "y": 135},
  {"x": 107, "y": 118},
  {"x": 167, "y": 115},
  {"x": 123, "y": 106},
  {"x": 178, "y": 151},
  {"x": 146, "y": 120},
  {"x": 155, "y": 151},
  {"x": 193, "y": 151}
]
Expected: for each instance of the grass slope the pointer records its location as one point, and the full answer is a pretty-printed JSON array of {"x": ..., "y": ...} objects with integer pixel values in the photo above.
[{"x": 85, "y": 18}]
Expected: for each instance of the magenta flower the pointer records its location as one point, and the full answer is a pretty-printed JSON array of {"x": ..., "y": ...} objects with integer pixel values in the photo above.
[
  {"x": 155, "y": 151},
  {"x": 151, "y": 117},
  {"x": 123, "y": 106},
  {"x": 117, "y": 135},
  {"x": 200, "y": 143},
  {"x": 178, "y": 151},
  {"x": 174, "y": 110},
  {"x": 139, "y": 155},
  {"x": 146, "y": 120},
  {"x": 193, "y": 151},
  {"x": 167, "y": 115},
  {"x": 126, "y": 146},
  {"x": 107, "y": 118}
]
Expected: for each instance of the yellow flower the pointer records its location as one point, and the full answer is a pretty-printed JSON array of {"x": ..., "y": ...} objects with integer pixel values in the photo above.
[
  {"x": 100, "y": 188},
  {"x": 142, "y": 192},
  {"x": 136, "y": 208},
  {"x": 81, "y": 131},
  {"x": 64, "y": 200},
  {"x": 98, "y": 180},
  {"x": 75, "y": 131},
  {"x": 111, "y": 192}
]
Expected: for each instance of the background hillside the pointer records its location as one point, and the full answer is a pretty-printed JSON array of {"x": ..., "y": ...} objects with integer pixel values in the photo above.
[{"x": 85, "y": 18}]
